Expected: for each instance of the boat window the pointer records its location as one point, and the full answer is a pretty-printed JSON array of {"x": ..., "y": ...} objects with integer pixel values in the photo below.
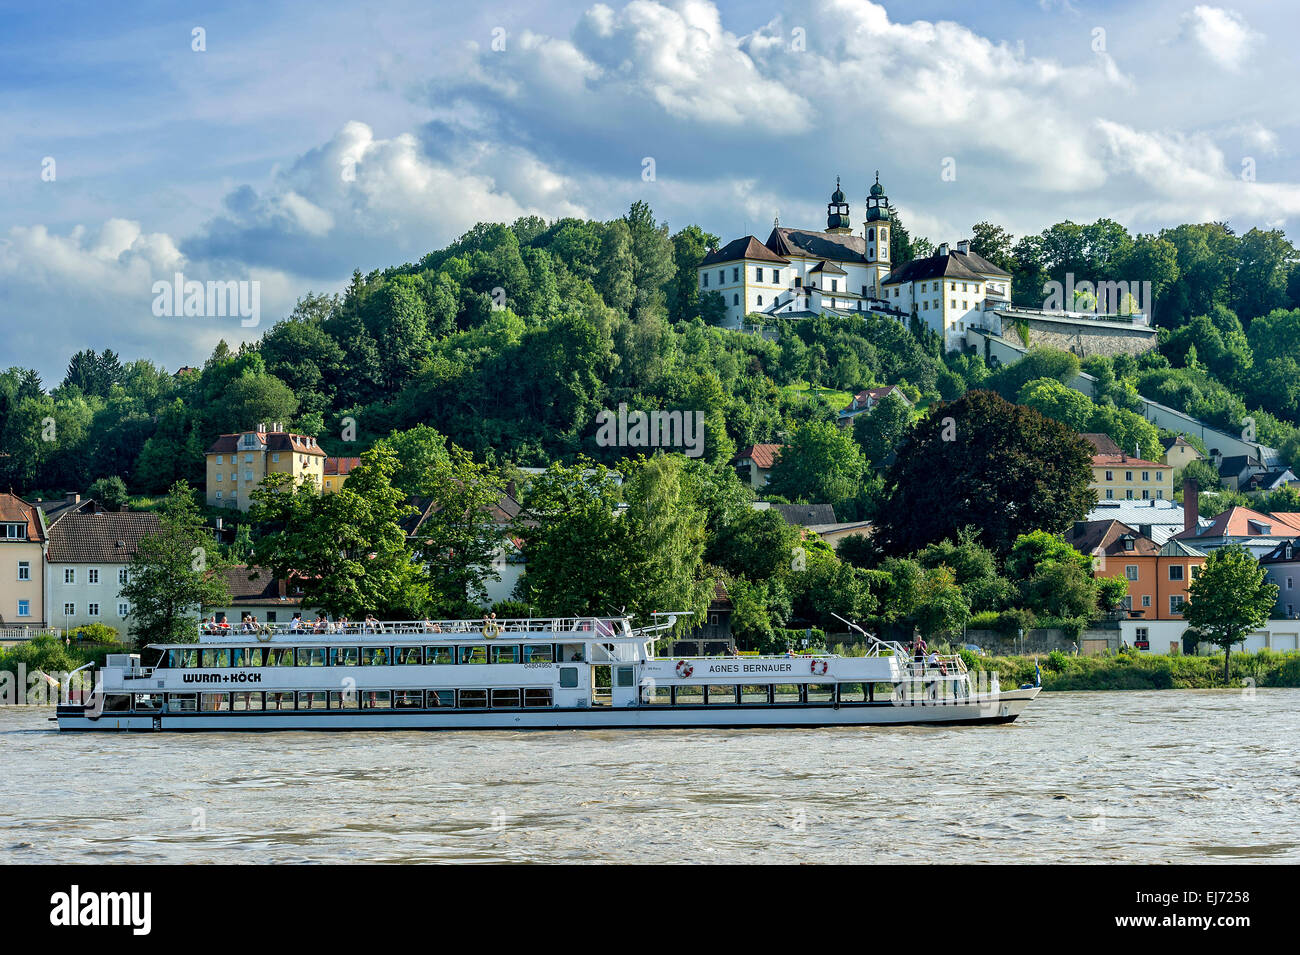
[
  {"x": 786, "y": 693},
  {"x": 278, "y": 700},
  {"x": 756, "y": 693},
  {"x": 821, "y": 692},
  {"x": 376, "y": 700},
  {"x": 311, "y": 656},
  {"x": 653, "y": 693},
  {"x": 237, "y": 656},
  {"x": 444, "y": 699},
  {"x": 568, "y": 677},
  {"x": 539, "y": 653},
  {"x": 279, "y": 656},
  {"x": 440, "y": 655},
  {"x": 182, "y": 702},
  {"x": 218, "y": 657},
  {"x": 472, "y": 699},
  {"x": 148, "y": 702},
  {"x": 853, "y": 692},
  {"x": 215, "y": 702},
  {"x": 408, "y": 699},
  {"x": 505, "y": 699},
  {"x": 538, "y": 696},
  {"x": 375, "y": 656},
  {"x": 182, "y": 658},
  {"x": 722, "y": 693},
  {"x": 689, "y": 695},
  {"x": 506, "y": 654},
  {"x": 117, "y": 702},
  {"x": 254, "y": 657},
  {"x": 242, "y": 701},
  {"x": 344, "y": 700},
  {"x": 345, "y": 656},
  {"x": 312, "y": 700},
  {"x": 473, "y": 654},
  {"x": 406, "y": 656},
  {"x": 625, "y": 676}
]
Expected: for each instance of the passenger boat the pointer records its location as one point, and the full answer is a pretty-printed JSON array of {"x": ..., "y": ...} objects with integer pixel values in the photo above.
[{"x": 553, "y": 673}]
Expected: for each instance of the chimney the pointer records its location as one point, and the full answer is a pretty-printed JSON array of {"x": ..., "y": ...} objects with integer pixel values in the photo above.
[
  {"x": 943, "y": 248},
  {"x": 1191, "y": 504},
  {"x": 218, "y": 524},
  {"x": 964, "y": 246},
  {"x": 73, "y": 498},
  {"x": 1144, "y": 530}
]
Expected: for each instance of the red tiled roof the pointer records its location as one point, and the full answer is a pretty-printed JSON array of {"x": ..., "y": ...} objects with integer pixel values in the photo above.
[
  {"x": 275, "y": 441},
  {"x": 748, "y": 248},
  {"x": 1236, "y": 521},
  {"x": 262, "y": 589},
  {"x": 1115, "y": 460},
  {"x": 1104, "y": 443},
  {"x": 763, "y": 455},
  {"x": 14, "y": 510},
  {"x": 341, "y": 465}
]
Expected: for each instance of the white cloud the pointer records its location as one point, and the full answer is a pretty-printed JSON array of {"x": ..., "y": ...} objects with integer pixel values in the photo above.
[{"x": 1223, "y": 34}]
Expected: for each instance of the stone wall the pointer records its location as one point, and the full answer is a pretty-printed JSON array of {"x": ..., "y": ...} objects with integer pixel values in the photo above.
[{"x": 1087, "y": 338}]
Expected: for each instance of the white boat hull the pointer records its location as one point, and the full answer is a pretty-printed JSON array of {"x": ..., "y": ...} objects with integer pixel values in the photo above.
[{"x": 999, "y": 708}]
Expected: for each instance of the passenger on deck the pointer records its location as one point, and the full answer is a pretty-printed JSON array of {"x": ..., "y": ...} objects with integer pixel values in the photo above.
[
  {"x": 918, "y": 649},
  {"x": 934, "y": 661},
  {"x": 296, "y": 623},
  {"x": 321, "y": 622}
]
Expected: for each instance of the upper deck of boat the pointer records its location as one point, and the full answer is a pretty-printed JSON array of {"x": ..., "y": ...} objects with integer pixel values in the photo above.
[{"x": 310, "y": 632}]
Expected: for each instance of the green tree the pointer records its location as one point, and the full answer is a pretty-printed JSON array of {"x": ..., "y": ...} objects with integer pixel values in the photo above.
[
  {"x": 1230, "y": 598},
  {"x": 175, "y": 575},
  {"x": 666, "y": 527},
  {"x": 980, "y": 461},
  {"x": 1049, "y": 397},
  {"x": 879, "y": 430},
  {"x": 109, "y": 491},
  {"x": 818, "y": 464}
]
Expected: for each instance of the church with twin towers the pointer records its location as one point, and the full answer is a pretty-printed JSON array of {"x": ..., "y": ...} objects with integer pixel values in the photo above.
[{"x": 803, "y": 273}]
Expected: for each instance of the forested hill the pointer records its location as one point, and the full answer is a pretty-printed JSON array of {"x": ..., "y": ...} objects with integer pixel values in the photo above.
[{"x": 513, "y": 338}]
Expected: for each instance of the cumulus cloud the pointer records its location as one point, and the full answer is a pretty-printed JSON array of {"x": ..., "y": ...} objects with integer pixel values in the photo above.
[{"x": 1222, "y": 34}]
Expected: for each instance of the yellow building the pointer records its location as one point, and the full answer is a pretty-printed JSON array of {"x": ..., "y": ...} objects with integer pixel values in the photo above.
[
  {"x": 1178, "y": 454},
  {"x": 1122, "y": 477},
  {"x": 237, "y": 463},
  {"x": 22, "y": 564},
  {"x": 336, "y": 473}
]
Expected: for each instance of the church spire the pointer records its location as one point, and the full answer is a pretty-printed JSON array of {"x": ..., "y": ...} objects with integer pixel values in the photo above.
[{"x": 837, "y": 212}]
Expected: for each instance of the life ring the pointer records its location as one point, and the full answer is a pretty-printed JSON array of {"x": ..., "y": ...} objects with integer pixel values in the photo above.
[
  {"x": 490, "y": 630},
  {"x": 684, "y": 668},
  {"x": 264, "y": 636},
  {"x": 818, "y": 667}
]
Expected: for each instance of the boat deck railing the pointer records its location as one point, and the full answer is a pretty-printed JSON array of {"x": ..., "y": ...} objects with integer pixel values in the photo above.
[{"x": 581, "y": 628}]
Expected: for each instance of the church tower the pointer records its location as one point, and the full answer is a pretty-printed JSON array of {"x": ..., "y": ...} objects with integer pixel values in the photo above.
[
  {"x": 876, "y": 228},
  {"x": 837, "y": 212}
]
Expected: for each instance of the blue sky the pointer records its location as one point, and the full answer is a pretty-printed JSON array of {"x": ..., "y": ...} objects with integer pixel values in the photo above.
[{"x": 309, "y": 139}]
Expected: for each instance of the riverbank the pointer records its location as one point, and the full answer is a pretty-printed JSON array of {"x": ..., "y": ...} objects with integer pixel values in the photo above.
[{"x": 1135, "y": 671}]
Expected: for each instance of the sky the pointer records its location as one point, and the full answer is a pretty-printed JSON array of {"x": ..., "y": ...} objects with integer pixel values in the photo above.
[{"x": 287, "y": 143}]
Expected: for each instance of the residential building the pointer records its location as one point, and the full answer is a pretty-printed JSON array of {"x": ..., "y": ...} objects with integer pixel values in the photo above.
[
  {"x": 1267, "y": 481},
  {"x": 1166, "y": 637},
  {"x": 69, "y": 503},
  {"x": 237, "y": 463},
  {"x": 1159, "y": 519},
  {"x": 22, "y": 564},
  {"x": 1157, "y": 575},
  {"x": 1178, "y": 454},
  {"x": 754, "y": 464},
  {"x": 949, "y": 291},
  {"x": 1282, "y": 567},
  {"x": 87, "y": 564},
  {"x": 1129, "y": 478},
  {"x": 336, "y": 473},
  {"x": 256, "y": 590},
  {"x": 1103, "y": 443},
  {"x": 866, "y": 400},
  {"x": 1236, "y": 470},
  {"x": 806, "y": 516}
]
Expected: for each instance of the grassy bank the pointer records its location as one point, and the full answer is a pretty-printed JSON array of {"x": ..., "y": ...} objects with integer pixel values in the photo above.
[{"x": 1133, "y": 671}]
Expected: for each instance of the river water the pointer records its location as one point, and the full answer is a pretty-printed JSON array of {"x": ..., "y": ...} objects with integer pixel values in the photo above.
[{"x": 1172, "y": 776}]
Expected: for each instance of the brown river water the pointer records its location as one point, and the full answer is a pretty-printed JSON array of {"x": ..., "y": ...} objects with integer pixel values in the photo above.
[{"x": 1173, "y": 776}]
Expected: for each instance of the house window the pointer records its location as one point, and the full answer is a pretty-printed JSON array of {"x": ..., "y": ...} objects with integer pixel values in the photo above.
[
  {"x": 1146, "y": 495},
  {"x": 1146, "y": 475},
  {"x": 248, "y": 459},
  {"x": 1160, "y": 495},
  {"x": 1110, "y": 495},
  {"x": 69, "y": 610},
  {"x": 121, "y": 576},
  {"x": 1160, "y": 475},
  {"x": 218, "y": 495},
  {"x": 123, "y": 609},
  {"x": 1110, "y": 475},
  {"x": 1176, "y": 605},
  {"x": 758, "y": 275},
  {"x": 1131, "y": 571},
  {"x": 275, "y": 458},
  {"x": 218, "y": 459},
  {"x": 1141, "y": 634},
  {"x": 1288, "y": 583},
  {"x": 722, "y": 276},
  {"x": 1176, "y": 572},
  {"x": 735, "y": 275},
  {"x": 1146, "y": 600},
  {"x": 1128, "y": 495},
  {"x": 24, "y": 570},
  {"x": 1127, "y": 603},
  {"x": 704, "y": 280},
  {"x": 69, "y": 576},
  {"x": 92, "y": 609},
  {"x": 1196, "y": 571},
  {"x": 776, "y": 276},
  {"x": 1128, "y": 475},
  {"x": 760, "y": 300},
  {"x": 248, "y": 475},
  {"x": 220, "y": 475},
  {"x": 24, "y": 608},
  {"x": 92, "y": 575},
  {"x": 954, "y": 303},
  {"x": 735, "y": 299}
]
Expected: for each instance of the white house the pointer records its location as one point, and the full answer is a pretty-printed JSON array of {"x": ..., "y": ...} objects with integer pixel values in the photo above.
[
  {"x": 949, "y": 291},
  {"x": 86, "y": 566}
]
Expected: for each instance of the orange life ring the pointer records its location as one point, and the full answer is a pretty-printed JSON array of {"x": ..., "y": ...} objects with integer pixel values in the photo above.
[
  {"x": 818, "y": 667},
  {"x": 684, "y": 668}
]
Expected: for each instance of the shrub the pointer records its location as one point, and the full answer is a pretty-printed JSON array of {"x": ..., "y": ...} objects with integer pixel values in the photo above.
[{"x": 95, "y": 633}]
